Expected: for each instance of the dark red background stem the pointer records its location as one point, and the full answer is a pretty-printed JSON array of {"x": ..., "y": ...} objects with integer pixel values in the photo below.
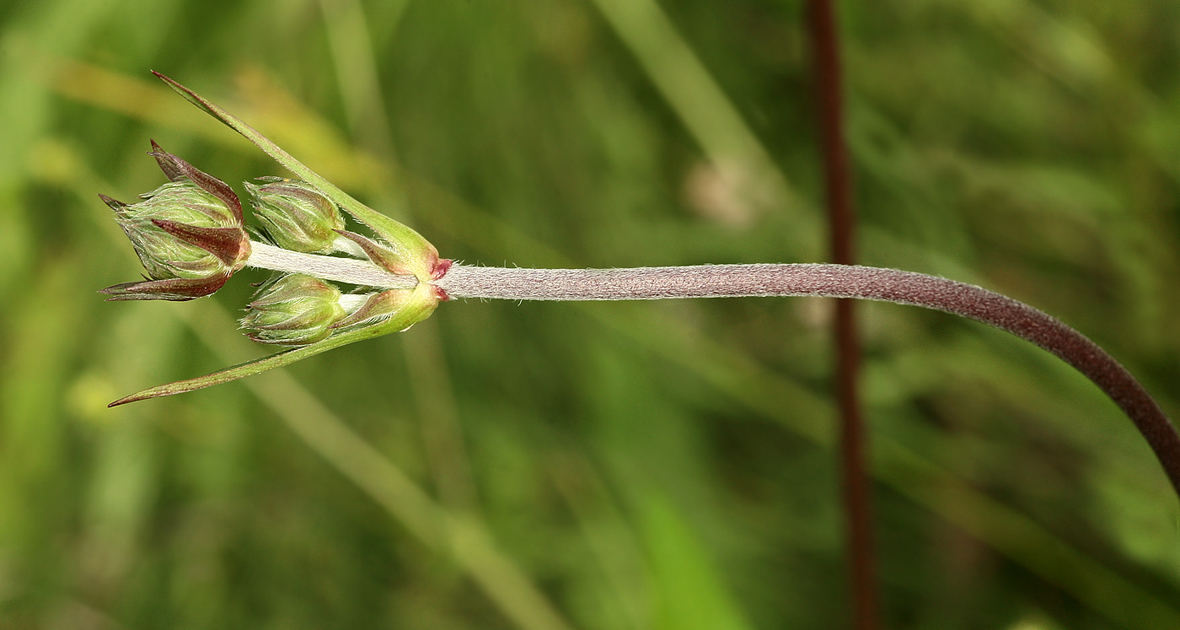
[{"x": 841, "y": 221}]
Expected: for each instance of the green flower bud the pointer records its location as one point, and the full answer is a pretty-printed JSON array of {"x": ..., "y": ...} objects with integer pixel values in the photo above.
[
  {"x": 296, "y": 215},
  {"x": 188, "y": 234},
  {"x": 294, "y": 310}
]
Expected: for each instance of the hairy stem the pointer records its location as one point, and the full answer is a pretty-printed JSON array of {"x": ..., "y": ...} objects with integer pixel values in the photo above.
[
  {"x": 350, "y": 270},
  {"x": 784, "y": 280},
  {"x": 838, "y": 281}
]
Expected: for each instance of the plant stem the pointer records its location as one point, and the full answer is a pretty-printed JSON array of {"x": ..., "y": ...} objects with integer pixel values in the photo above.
[
  {"x": 339, "y": 269},
  {"x": 838, "y": 281},
  {"x": 782, "y": 280},
  {"x": 829, "y": 91}
]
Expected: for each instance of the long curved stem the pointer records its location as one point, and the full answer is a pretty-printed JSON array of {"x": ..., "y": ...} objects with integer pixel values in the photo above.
[
  {"x": 839, "y": 281},
  {"x": 787, "y": 280}
]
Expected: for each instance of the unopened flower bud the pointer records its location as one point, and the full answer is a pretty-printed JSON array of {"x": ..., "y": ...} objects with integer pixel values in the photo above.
[
  {"x": 296, "y": 215},
  {"x": 188, "y": 234},
  {"x": 294, "y": 310}
]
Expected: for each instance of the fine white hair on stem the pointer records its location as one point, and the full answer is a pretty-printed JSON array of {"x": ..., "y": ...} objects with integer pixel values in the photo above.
[
  {"x": 838, "y": 281},
  {"x": 785, "y": 280},
  {"x": 338, "y": 269}
]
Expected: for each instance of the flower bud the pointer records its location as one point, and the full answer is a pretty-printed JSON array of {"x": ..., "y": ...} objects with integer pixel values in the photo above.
[
  {"x": 296, "y": 215},
  {"x": 294, "y": 310},
  {"x": 187, "y": 233}
]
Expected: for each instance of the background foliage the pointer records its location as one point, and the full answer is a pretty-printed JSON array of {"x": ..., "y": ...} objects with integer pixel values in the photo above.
[{"x": 655, "y": 465}]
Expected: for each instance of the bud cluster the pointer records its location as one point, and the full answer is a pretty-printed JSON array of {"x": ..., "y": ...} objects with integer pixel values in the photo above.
[{"x": 190, "y": 236}]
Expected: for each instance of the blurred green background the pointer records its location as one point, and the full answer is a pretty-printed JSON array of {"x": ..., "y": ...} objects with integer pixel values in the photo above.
[{"x": 637, "y": 465}]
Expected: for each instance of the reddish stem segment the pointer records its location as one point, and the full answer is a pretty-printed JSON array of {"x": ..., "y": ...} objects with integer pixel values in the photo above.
[
  {"x": 841, "y": 222},
  {"x": 838, "y": 281}
]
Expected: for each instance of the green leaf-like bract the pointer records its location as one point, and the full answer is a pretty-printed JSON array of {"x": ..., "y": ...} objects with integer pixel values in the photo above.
[
  {"x": 421, "y": 256},
  {"x": 420, "y": 305}
]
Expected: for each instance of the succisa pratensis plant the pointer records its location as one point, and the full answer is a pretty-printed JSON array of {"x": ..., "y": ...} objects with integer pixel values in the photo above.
[{"x": 190, "y": 236}]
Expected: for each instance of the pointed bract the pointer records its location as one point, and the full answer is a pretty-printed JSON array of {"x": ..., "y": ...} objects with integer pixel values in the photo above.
[
  {"x": 421, "y": 303},
  {"x": 176, "y": 170},
  {"x": 413, "y": 254},
  {"x": 172, "y": 289},
  {"x": 225, "y": 243}
]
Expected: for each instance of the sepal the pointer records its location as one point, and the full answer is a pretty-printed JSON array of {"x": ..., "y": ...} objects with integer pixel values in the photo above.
[{"x": 172, "y": 289}]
